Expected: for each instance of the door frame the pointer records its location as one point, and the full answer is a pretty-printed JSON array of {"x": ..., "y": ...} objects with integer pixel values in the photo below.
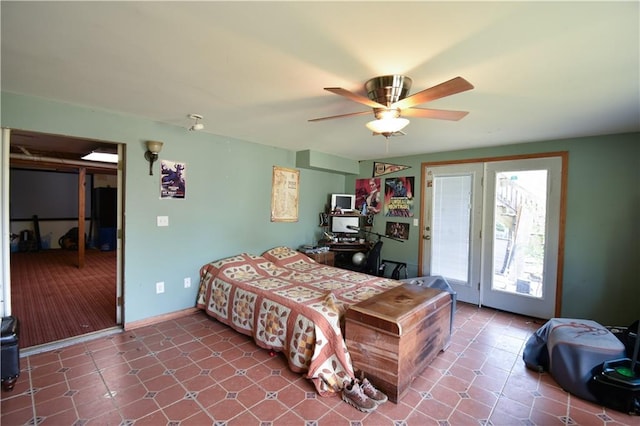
[
  {"x": 564, "y": 155},
  {"x": 5, "y": 284}
]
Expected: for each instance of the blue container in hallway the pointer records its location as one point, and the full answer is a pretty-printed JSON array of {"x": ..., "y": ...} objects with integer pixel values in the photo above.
[{"x": 107, "y": 239}]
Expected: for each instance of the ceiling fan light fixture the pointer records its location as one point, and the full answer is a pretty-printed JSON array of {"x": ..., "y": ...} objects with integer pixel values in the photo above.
[
  {"x": 388, "y": 89},
  {"x": 387, "y": 125},
  {"x": 386, "y": 113},
  {"x": 387, "y": 96}
]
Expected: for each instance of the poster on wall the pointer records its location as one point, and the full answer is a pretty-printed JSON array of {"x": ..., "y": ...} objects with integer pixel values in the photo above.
[
  {"x": 284, "y": 194},
  {"x": 173, "y": 178},
  {"x": 368, "y": 194},
  {"x": 398, "y": 196},
  {"x": 397, "y": 230}
]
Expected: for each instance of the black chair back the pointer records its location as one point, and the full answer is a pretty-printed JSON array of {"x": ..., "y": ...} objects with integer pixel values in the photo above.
[{"x": 373, "y": 259}]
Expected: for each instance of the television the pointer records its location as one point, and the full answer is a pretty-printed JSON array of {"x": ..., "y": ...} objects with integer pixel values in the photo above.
[
  {"x": 341, "y": 224},
  {"x": 344, "y": 202}
]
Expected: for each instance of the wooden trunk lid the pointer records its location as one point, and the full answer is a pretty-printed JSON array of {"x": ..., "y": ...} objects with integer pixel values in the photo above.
[{"x": 399, "y": 309}]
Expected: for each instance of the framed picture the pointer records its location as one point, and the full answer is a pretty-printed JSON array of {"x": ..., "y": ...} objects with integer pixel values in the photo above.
[
  {"x": 397, "y": 230},
  {"x": 285, "y": 185}
]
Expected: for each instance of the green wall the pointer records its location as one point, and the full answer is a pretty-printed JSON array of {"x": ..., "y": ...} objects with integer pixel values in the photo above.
[
  {"x": 602, "y": 234},
  {"x": 227, "y": 207}
]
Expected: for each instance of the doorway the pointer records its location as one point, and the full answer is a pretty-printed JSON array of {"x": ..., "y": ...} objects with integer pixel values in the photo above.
[
  {"x": 493, "y": 229},
  {"x": 80, "y": 289}
]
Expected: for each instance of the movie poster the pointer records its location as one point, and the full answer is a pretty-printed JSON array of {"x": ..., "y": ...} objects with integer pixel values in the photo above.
[
  {"x": 398, "y": 196},
  {"x": 368, "y": 193},
  {"x": 173, "y": 179},
  {"x": 397, "y": 230}
]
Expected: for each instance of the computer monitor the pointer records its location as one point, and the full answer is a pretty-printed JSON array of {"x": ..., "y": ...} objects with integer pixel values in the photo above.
[
  {"x": 345, "y": 224},
  {"x": 344, "y": 202}
]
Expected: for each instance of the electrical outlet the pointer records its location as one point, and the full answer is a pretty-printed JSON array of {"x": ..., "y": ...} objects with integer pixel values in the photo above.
[
  {"x": 162, "y": 220},
  {"x": 160, "y": 287},
  {"x": 187, "y": 282}
]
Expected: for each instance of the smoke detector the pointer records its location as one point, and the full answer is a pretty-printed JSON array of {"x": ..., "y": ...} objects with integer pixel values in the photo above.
[{"x": 196, "y": 122}]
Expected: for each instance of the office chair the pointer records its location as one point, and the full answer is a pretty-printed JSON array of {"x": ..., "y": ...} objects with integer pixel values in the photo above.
[{"x": 372, "y": 264}]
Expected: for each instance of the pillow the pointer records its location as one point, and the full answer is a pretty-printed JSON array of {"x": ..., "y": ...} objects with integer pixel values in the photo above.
[{"x": 286, "y": 256}]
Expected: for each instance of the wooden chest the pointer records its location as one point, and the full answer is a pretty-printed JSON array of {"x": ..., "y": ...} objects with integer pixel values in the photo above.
[{"x": 393, "y": 336}]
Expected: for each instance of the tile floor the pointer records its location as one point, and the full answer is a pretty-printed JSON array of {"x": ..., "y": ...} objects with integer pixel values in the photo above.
[{"x": 196, "y": 371}]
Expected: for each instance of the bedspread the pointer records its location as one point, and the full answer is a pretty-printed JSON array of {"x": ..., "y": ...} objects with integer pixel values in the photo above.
[{"x": 289, "y": 303}]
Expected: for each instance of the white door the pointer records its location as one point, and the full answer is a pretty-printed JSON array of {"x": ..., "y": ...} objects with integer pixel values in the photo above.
[
  {"x": 451, "y": 234},
  {"x": 522, "y": 223},
  {"x": 492, "y": 230}
]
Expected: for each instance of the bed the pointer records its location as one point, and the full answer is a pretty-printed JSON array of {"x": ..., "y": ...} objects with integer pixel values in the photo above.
[{"x": 290, "y": 304}]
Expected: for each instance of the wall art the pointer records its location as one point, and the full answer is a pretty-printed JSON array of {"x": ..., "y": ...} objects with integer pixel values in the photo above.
[
  {"x": 173, "y": 180},
  {"x": 380, "y": 169},
  {"x": 398, "y": 196},
  {"x": 285, "y": 185}
]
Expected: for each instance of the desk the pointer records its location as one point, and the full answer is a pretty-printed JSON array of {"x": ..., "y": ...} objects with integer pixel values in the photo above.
[
  {"x": 345, "y": 251},
  {"x": 350, "y": 247},
  {"x": 325, "y": 257}
]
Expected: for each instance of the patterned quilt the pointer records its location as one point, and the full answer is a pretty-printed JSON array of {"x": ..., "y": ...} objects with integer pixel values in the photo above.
[{"x": 289, "y": 303}]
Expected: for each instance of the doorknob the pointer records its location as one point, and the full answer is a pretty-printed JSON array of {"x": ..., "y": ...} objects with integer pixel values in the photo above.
[{"x": 427, "y": 236}]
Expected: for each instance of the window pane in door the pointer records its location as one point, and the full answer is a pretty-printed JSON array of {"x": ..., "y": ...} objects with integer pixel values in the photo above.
[
  {"x": 519, "y": 230},
  {"x": 451, "y": 227}
]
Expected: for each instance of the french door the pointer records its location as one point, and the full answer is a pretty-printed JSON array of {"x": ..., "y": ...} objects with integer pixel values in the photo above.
[
  {"x": 492, "y": 229},
  {"x": 451, "y": 234}
]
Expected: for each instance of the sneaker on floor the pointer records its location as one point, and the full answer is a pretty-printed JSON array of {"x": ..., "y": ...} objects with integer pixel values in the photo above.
[
  {"x": 373, "y": 393},
  {"x": 353, "y": 395}
]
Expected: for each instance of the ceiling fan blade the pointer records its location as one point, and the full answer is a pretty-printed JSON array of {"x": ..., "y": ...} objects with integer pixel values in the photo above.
[
  {"x": 440, "y": 114},
  {"x": 351, "y": 114},
  {"x": 448, "y": 88},
  {"x": 354, "y": 97}
]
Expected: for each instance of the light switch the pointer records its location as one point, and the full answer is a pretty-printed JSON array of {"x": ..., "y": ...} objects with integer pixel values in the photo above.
[
  {"x": 163, "y": 220},
  {"x": 415, "y": 222}
]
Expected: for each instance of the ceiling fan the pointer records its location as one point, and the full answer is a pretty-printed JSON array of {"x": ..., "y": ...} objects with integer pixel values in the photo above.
[{"x": 387, "y": 95}]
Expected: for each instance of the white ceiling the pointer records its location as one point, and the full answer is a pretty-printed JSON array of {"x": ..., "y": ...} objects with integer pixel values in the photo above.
[{"x": 256, "y": 70}]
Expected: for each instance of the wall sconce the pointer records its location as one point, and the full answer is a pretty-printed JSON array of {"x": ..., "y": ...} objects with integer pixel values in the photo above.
[{"x": 153, "y": 148}]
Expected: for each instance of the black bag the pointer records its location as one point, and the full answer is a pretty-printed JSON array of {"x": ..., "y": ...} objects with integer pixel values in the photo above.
[
  {"x": 616, "y": 383},
  {"x": 10, "y": 355},
  {"x": 399, "y": 269},
  {"x": 69, "y": 241}
]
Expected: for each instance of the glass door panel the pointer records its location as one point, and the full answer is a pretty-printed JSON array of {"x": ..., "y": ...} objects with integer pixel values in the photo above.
[
  {"x": 522, "y": 212},
  {"x": 519, "y": 232},
  {"x": 451, "y": 227}
]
